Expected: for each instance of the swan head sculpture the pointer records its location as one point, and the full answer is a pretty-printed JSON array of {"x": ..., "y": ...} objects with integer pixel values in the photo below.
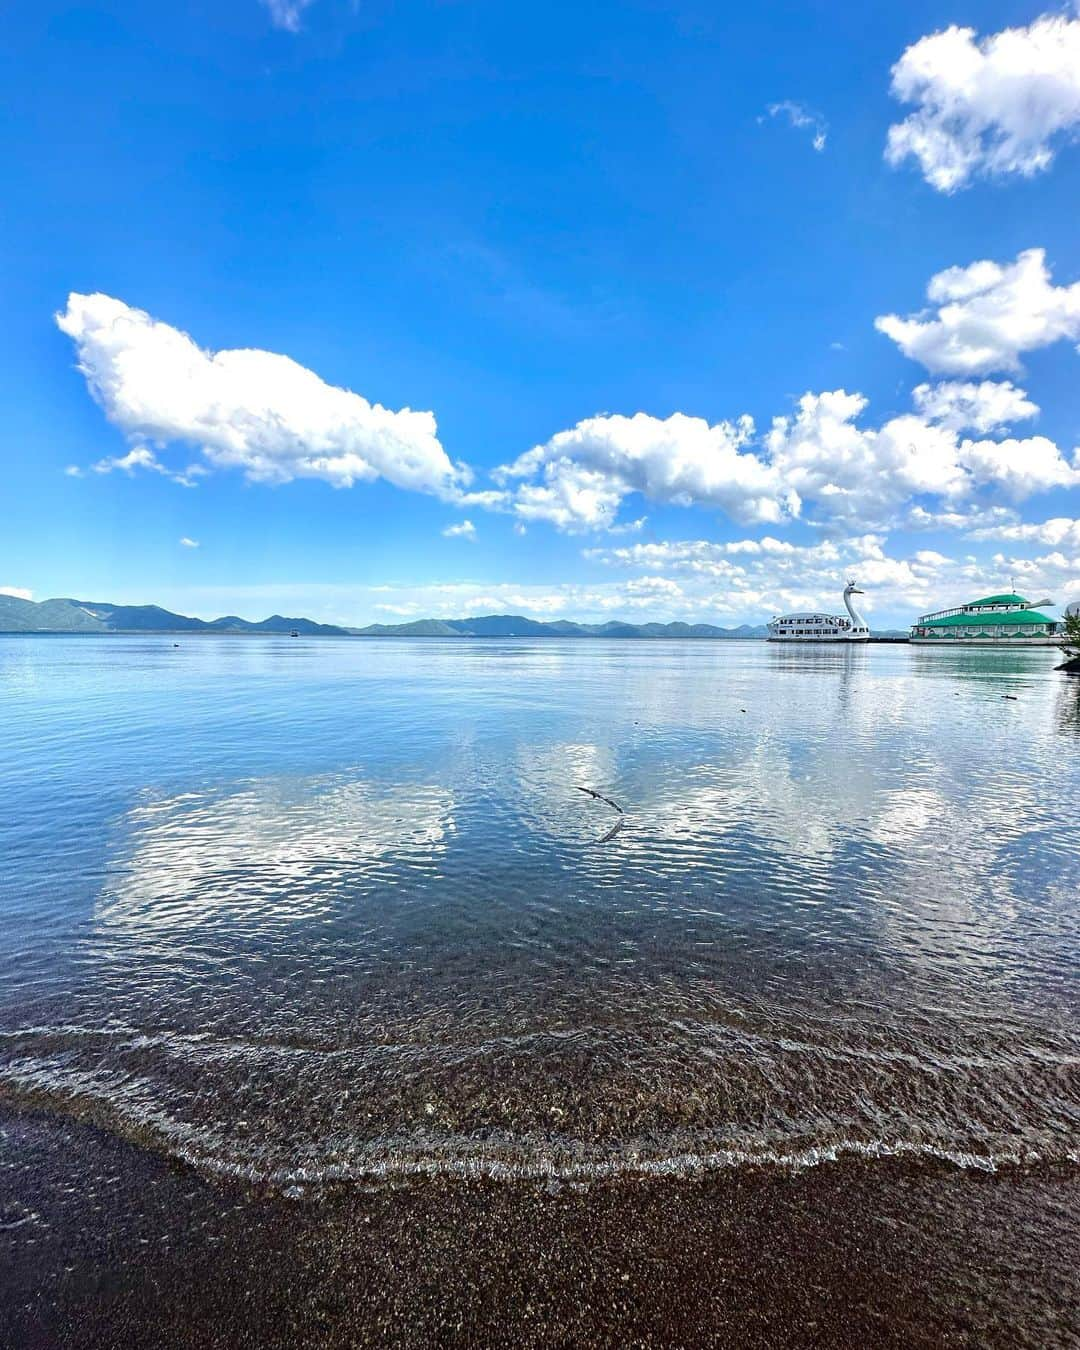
[{"x": 859, "y": 624}]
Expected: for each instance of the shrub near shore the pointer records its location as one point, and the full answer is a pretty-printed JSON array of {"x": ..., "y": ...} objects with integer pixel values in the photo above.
[{"x": 1071, "y": 645}]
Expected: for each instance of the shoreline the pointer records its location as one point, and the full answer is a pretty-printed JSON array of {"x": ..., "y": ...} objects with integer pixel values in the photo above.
[{"x": 107, "y": 1244}]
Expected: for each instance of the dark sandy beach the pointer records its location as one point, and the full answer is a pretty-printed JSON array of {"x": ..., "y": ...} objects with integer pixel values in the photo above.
[{"x": 855, "y": 1253}]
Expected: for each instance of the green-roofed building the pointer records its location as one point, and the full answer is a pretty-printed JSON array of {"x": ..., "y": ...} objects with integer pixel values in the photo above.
[{"x": 995, "y": 619}]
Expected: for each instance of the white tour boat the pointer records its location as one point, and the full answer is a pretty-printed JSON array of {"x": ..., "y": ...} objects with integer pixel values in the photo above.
[{"x": 812, "y": 627}]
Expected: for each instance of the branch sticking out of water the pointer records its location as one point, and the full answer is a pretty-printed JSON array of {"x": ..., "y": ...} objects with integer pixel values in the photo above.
[
  {"x": 591, "y": 792},
  {"x": 600, "y": 797}
]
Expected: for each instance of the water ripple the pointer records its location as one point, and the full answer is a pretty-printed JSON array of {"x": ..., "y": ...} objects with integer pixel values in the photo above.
[{"x": 301, "y": 915}]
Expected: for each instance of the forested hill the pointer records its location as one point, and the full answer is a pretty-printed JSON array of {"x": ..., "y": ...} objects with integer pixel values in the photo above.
[{"x": 91, "y": 616}]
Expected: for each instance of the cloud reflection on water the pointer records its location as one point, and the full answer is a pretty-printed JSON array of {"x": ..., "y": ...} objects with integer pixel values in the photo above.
[{"x": 269, "y": 850}]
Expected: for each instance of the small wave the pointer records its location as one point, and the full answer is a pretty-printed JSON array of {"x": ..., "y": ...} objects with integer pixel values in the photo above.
[
  {"x": 680, "y": 1165},
  {"x": 205, "y": 1045},
  {"x": 131, "y": 1108}
]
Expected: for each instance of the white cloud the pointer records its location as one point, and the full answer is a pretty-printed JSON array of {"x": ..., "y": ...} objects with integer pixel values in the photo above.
[
  {"x": 246, "y": 409},
  {"x": 1058, "y": 532},
  {"x": 704, "y": 556},
  {"x": 749, "y": 579},
  {"x": 630, "y": 526},
  {"x": 861, "y": 474},
  {"x": 276, "y": 421},
  {"x": 649, "y": 591},
  {"x": 580, "y": 477},
  {"x": 465, "y": 530},
  {"x": 286, "y": 13},
  {"x": 188, "y": 543},
  {"x": 140, "y": 457},
  {"x": 867, "y": 475},
  {"x": 803, "y": 119},
  {"x": 1020, "y": 468},
  {"x": 987, "y": 108},
  {"x": 987, "y": 314},
  {"x": 17, "y": 592},
  {"x": 986, "y": 407},
  {"x": 819, "y": 463},
  {"x": 1055, "y": 575},
  {"x": 571, "y": 498},
  {"x": 918, "y": 518},
  {"x": 489, "y": 499}
]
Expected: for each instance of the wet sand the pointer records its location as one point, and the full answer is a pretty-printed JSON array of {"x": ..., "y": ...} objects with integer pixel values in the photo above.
[{"x": 103, "y": 1244}]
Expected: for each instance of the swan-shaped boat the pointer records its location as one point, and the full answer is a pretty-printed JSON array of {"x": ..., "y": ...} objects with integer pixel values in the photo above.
[{"x": 809, "y": 626}]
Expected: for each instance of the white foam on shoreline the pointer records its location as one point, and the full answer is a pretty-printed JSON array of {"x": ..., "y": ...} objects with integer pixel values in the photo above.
[
  {"x": 111, "y": 1100},
  {"x": 679, "y": 1165}
]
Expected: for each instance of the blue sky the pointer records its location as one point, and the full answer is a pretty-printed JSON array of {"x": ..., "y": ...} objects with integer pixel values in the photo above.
[{"x": 531, "y": 225}]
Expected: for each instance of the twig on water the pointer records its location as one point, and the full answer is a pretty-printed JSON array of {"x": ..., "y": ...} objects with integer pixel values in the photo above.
[{"x": 591, "y": 792}]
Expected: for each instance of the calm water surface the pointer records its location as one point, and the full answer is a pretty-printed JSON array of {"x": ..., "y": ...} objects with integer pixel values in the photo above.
[{"x": 314, "y": 911}]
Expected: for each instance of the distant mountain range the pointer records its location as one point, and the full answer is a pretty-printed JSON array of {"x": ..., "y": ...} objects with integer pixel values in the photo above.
[
  {"x": 515, "y": 625},
  {"x": 89, "y": 616}
]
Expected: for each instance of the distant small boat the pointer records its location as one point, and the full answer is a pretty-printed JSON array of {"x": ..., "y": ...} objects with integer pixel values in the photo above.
[
  {"x": 295, "y": 632},
  {"x": 810, "y": 627}
]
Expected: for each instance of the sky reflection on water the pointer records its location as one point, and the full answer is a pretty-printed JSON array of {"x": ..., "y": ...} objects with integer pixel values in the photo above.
[{"x": 841, "y": 907}]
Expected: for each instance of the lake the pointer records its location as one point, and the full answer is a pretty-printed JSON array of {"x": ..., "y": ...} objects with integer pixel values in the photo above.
[{"x": 296, "y": 918}]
